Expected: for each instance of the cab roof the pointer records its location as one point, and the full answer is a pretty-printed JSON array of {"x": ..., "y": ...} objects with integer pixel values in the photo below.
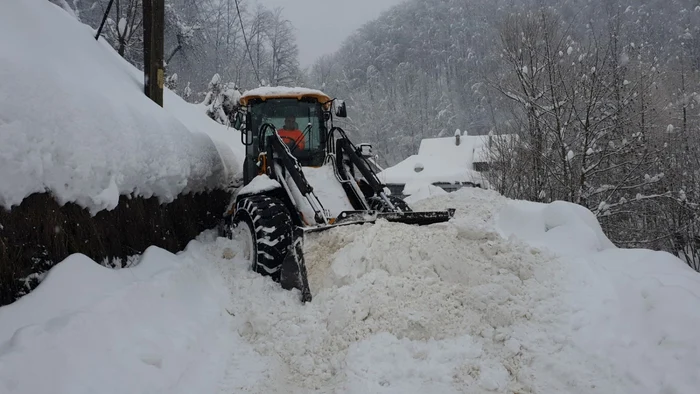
[{"x": 280, "y": 92}]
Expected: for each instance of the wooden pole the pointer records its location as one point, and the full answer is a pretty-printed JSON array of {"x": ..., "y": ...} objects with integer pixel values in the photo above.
[{"x": 153, "y": 49}]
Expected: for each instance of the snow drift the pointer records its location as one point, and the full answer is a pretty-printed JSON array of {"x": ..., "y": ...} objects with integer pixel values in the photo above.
[
  {"x": 74, "y": 120},
  {"x": 89, "y": 329},
  {"x": 633, "y": 307}
]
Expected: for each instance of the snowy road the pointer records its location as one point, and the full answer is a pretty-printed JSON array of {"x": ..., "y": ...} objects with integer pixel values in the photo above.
[{"x": 449, "y": 308}]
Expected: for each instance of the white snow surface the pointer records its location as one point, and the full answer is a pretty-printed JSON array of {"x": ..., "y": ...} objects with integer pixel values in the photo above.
[
  {"x": 417, "y": 190},
  {"x": 260, "y": 183},
  {"x": 148, "y": 329},
  {"x": 74, "y": 120},
  {"x": 431, "y": 169},
  {"x": 446, "y": 147},
  {"x": 442, "y": 160},
  {"x": 328, "y": 189},
  {"x": 451, "y": 308}
]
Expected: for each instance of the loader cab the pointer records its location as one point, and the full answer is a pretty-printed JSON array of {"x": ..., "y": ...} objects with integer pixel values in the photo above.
[{"x": 303, "y": 115}]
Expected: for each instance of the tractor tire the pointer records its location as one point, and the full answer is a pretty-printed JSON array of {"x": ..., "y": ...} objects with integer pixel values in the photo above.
[
  {"x": 269, "y": 226},
  {"x": 377, "y": 204}
]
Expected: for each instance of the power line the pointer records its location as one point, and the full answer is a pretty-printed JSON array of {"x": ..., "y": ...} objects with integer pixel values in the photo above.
[
  {"x": 104, "y": 19},
  {"x": 245, "y": 39}
]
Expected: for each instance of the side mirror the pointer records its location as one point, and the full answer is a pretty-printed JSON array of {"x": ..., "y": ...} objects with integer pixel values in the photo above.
[
  {"x": 246, "y": 131},
  {"x": 340, "y": 109},
  {"x": 365, "y": 150},
  {"x": 238, "y": 120}
]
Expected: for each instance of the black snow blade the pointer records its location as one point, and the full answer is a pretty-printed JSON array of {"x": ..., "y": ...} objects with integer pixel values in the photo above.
[
  {"x": 418, "y": 218},
  {"x": 293, "y": 270},
  {"x": 347, "y": 218}
]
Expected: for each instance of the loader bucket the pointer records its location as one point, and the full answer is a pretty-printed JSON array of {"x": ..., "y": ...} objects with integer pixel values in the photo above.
[
  {"x": 293, "y": 271},
  {"x": 416, "y": 218},
  {"x": 419, "y": 218}
]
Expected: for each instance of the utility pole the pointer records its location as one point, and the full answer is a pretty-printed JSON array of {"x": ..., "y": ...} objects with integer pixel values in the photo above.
[{"x": 153, "y": 49}]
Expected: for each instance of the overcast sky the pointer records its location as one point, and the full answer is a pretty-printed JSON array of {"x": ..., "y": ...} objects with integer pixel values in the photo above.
[{"x": 322, "y": 25}]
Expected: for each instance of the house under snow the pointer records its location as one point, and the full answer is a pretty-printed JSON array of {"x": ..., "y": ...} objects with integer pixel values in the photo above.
[{"x": 449, "y": 163}]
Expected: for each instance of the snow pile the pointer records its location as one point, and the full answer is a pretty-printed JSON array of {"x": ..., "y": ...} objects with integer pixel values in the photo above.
[
  {"x": 563, "y": 227},
  {"x": 634, "y": 307},
  {"x": 417, "y": 190},
  {"x": 74, "y": 120},
  {"x": 157, "y": 327},
  {"x": 446, "y": 308}
]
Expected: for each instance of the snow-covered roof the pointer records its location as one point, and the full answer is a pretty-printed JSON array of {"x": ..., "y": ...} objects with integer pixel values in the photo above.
[
  {"x": 442, "y": 160},
  {"x": 268, "y": 92},
  {"x": 83, "y": 129},
  {"x": 430, "y": 169},
  {"x": 447, "y": 149}
]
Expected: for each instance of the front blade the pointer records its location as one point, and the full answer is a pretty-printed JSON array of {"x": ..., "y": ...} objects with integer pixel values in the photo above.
[{"x": 418, "y": 218}]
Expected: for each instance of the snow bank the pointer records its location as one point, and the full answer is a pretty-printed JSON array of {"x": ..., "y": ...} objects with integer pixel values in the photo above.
[
  {"x": 227, "y": 139},
  {"x": 566, "y": 228},
  {"x": 74, "y": 120},
  {"x": 633, "y": 307},
  {"x": 638, "y": 308},
  {"x": 417, "y": 190},
  {"x": 157, "y": 327}
]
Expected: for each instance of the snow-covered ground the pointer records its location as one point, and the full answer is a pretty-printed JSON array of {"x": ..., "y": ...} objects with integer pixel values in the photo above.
[
  {"x": 74, "y": 120},
  {"x": 507, "y": 297}
]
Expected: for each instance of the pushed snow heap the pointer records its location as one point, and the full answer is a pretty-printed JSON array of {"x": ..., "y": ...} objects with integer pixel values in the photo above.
[{"x": 80, "y": 127}]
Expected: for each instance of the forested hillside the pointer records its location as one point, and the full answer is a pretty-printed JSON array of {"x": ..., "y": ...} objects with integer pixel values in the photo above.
[{"x": 603, "y": 95}]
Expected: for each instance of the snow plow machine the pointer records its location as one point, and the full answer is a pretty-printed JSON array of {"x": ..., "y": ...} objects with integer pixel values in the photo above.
[{"x": 302, "y": 174}]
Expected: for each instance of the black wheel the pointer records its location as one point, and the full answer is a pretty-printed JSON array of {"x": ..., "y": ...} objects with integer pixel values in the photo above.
[
  {"x": 264, "y": 225},
  {"x": 376, "y": 203}
]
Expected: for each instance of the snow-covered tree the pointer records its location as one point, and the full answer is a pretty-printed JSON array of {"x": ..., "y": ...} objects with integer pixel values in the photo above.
[{"x": 221, "y": 100}]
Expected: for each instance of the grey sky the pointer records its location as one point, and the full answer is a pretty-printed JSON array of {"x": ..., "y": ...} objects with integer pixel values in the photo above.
[{"x": 322, "y": 25}]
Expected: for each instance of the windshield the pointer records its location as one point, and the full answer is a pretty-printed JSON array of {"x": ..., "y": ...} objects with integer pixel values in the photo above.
[{"x": 298, "y": 123}]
